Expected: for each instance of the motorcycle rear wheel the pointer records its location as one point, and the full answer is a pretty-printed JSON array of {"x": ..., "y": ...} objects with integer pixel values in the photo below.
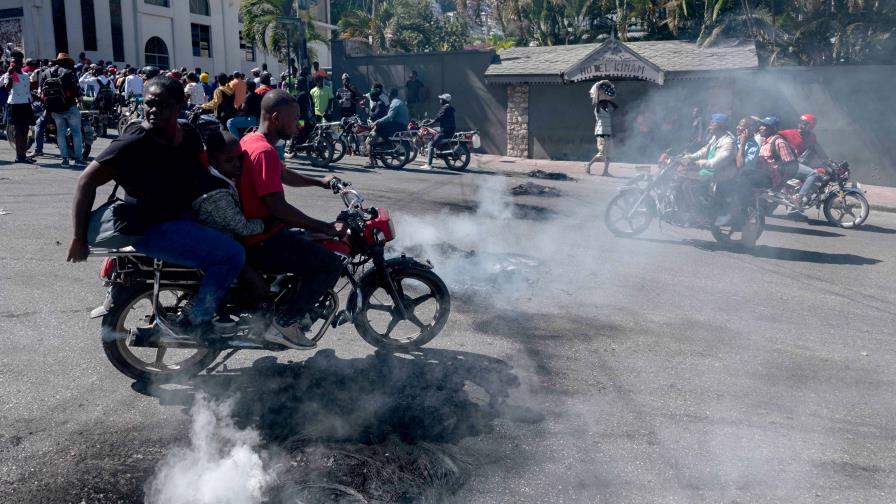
[
  {"x": 617, "y": 214},
  {"x": 459, "y": 158},
  {"x": 426, "y": 300},
  {"x": 750, "y": 231},
  {"x": 395, "y": 157},
  {"x": 339, "y": 149},
  {"x": 320, "y": 153},
  {"x": 842, "y": 212},
  {"x": 135, "y": 362}
]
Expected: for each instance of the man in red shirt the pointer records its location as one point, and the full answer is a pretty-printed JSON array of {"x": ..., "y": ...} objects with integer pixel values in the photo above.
[
  {"x": 282, "y": 249},
  {"x": 776, "y": 158},
  {"x": 806, "y": 147}
]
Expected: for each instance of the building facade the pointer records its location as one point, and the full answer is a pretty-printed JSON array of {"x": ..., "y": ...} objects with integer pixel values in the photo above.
[{"x": 165, "y": 33}]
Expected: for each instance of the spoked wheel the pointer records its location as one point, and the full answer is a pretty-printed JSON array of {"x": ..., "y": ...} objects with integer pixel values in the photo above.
[
  {"x": 426, "y": 301},
  {"x": 746, "y": 235},
  {"x": 394, "y": 155},
  {"x": 320, "y": 153},
  {"x": 848, "y": 211},
  {"x": 626, "y": 216},
  {"x": 459, "y": 158},
  {"x": 132, "y": 308}
]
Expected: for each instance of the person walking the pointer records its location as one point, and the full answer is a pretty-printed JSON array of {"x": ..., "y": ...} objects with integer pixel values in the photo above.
[
  {"x": 602, "y": 94},
  {"x": 414, "y": 94},
  {"x": 18, "y": 84},
  {"x": 60, "y": 92}
]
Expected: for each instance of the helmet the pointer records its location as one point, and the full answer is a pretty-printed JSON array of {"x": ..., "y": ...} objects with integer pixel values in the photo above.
[
  {"x": 810, "y": 120},
  {"x": 151, "y": 71},
  {"x": 771, "y": 121}
]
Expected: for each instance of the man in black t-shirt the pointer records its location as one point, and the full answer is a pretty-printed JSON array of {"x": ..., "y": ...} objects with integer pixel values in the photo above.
[
  {"x": 414, "y": 94},
  {"x": 159, "y": 164},
  {"x": 347, "y": 97}
]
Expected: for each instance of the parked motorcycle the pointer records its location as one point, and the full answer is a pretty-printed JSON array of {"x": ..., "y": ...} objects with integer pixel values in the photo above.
[
  {"x": 397, "y": 303},
  {"x": 676, "y": 196},
  {"x": 843, "y": 204},
  {"x": 454, "y": 151},
  {"x": 316, "y": 146},
  {"x": 332, "y": 131}
]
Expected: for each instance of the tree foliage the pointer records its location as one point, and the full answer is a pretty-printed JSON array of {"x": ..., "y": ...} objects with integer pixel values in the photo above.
[
  {"x": 406, "y": 26},
  {"x": 261, "y": 27}
]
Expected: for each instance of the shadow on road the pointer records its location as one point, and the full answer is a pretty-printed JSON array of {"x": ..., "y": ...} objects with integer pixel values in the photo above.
[
  {"x": 802, "y": 231},
  {"x": 871, "y": 228},
  {"x": 430, "y": 395},
  {"x": 779, "y": 253}
]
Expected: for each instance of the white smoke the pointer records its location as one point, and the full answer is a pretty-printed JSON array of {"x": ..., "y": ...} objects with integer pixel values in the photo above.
[{"x": 222, "y": 465}]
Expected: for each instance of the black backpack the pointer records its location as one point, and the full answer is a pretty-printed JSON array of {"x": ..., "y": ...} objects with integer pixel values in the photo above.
[
  {"x": 57, "y": 90},
  {"x": 105, "y": 97}
]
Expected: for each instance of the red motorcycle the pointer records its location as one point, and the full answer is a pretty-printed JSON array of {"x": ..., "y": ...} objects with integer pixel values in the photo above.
[
  {"x": 454, "y": 151},
  {"x": 397, "y": 303}
]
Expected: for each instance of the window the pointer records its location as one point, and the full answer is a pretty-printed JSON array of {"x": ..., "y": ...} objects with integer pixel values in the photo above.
[
  {"x": 248, "y": 50},
  {"x": 202, "y": 40},
  {"x": 156, "y": 52},
  {"x": 117, "y": 30},
  {"x": 88, "y": 25},
  {"x": 200, "y": 7},
  {"x": 60, "y": 33},
  {"x": 160, "y": 3}
]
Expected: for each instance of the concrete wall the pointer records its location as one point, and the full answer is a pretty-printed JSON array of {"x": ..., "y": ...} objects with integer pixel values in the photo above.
[{"x": 479, "y": 105}]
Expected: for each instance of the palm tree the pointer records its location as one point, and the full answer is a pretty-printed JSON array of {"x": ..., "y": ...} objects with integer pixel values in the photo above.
[{"x": 261, "y": 26}]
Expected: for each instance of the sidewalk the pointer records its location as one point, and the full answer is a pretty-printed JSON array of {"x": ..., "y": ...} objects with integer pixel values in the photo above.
[{"x": 881, "y": 198}]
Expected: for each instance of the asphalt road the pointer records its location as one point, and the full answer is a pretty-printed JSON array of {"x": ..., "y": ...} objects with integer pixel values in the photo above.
[{"x": 576, "y": 367}]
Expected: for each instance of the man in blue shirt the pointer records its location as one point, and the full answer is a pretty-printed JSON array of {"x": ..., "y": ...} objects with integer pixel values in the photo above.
[{"x": 395, "y": 120}]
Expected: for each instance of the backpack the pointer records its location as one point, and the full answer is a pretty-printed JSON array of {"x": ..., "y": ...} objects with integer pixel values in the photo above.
[
  {"x": 105, "y": 97},
  {"x": 57, "y": 90}
]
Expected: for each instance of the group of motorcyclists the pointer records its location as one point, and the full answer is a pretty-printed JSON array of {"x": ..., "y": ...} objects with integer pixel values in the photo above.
[{"x": 756, "y": 155}]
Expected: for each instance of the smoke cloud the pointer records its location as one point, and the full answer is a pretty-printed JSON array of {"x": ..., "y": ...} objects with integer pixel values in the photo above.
[{"x": 222, "y": 464}]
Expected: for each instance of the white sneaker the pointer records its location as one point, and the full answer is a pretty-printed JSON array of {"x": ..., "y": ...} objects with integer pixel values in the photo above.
[
  {"x": 290, "y": 337},
  {"x": 426, "y": 167}
]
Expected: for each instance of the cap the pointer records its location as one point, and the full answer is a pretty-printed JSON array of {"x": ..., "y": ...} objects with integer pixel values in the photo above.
[
  {"x": 446, "y": 97},
  {"x": 770, "y": 121},
  {"x": 344, "y": 76},
  {"x": 719, "y": 118}
]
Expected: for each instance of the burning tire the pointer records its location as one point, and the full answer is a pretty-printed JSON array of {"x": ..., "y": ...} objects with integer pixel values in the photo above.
[{"x": 426, "y": 301}]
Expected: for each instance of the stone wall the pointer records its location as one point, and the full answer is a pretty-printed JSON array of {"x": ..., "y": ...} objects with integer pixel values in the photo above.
[{"x": 518, "y": 120}]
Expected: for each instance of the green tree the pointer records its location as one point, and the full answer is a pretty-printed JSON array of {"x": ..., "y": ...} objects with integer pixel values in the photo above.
[
  {"x": 260, "y": 25},
  {"x": 405, "y": 26}
]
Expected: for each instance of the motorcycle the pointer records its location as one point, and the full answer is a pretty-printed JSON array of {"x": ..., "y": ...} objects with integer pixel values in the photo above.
[
  {"x": 330, "y": 130},
  {"x": 454, "y": 151},
  {"x": 394, "y": 152},
  {"x": 308, "y": 141},
  {"x": 843, "y": 204},
  {"x": 675, "y": 196},
  {"x": 130, "y": 112},
  {"x": 396, "y": 304},
  {"x": 88, "y": 135}
]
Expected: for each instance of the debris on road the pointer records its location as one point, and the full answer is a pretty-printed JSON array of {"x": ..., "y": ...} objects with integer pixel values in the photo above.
[
  {"x": 541, "y": 174},
  {"x": 533, "y": 189},
  {"x": 4, "y": 212}
]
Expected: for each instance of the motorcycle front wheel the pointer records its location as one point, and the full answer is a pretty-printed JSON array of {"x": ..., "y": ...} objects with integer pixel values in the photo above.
[
  {"x": 320, "y": 153},
  {"x": 426, "y": 301},
  {"x": 339, "y": 148},
  {"x": 132, "y": 308},
  {"x": 848, "y": 212},
  {"x": 623, "y": 219}
]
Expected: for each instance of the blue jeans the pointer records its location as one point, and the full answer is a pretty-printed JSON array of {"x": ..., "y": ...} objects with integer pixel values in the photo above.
[
  {"x": 241, "y": 122},
  {"x": 188, "y": 243},
  {"x": 69, "y": 120},
  {"x": 40, "y": 132}
]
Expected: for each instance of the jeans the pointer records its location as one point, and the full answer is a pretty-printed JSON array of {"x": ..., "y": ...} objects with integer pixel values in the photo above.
[
  {"x": 69, "y": 120},
  {"x": 241, "y": 122},
  {"x": 40, "y": 132},
  {"x": 287, "y": 251},
  {"x": 433, "y": 145},
  {"x": 809, "y": 185},
  {"x": 188, "y": 243}
]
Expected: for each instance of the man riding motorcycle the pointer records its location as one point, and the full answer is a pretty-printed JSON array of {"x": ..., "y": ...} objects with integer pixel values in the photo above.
[
  {"x": 281, "y": 249},
  {"x": 716, "y": 161},
  {"x": 395, "y": 120},
  {"x": 807, "y": 148},
  {"x": 445, "y": 118}
]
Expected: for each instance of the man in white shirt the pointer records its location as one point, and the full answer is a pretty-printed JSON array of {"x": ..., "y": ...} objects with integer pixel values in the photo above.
[
  {"x": 21, "y": 117},
  {"x": 133, "y": 84}
]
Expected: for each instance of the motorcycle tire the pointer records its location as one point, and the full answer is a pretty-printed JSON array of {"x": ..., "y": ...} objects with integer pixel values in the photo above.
[
  {"x": 320, "y": 153},
  {"x": 408, "y": 148},
  {"x": 836, "y": 209},
  {"x": 339, "y": 149},
  {"x": 393, "y": 158},
  {"x": 412, "y": 153},
  {"x": 749, "y": 231},
  {"x": 402, "y": 276},
  {"x": 619, "y": 208},
  {"x": 116, "y": 338},
  {"x": 459, "y": 158},
  {"x": 11, "y": 137}
]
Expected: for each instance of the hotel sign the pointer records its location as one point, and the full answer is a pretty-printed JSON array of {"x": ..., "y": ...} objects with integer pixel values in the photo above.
[{"x": 614, "y": 59}]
